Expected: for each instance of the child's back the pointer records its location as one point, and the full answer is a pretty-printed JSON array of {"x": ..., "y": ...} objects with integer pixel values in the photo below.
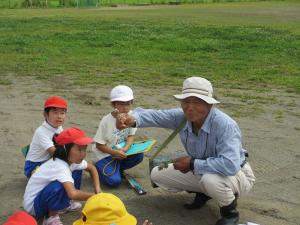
[{"x": 41, "y": 141}]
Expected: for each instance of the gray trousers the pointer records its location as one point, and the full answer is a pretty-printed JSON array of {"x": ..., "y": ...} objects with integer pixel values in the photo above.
[{"x": 218, "y": 187}]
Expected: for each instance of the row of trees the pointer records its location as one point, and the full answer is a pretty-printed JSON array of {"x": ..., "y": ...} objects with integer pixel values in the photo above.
[{"x": 45, "y": 3}]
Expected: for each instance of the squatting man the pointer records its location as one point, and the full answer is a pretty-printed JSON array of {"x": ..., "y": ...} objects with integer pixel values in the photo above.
[{"x": 215, "y": 166}]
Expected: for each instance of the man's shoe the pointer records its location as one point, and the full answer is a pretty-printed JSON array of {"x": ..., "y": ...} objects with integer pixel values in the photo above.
[
  {"x": 229, "y": 213},
  {"x": 199, "y": 201}
]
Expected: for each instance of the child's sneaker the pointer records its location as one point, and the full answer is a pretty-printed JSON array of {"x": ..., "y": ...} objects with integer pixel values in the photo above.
[
  {"x": 74, "y": 206},
  {"x": 52, "y": 220}
]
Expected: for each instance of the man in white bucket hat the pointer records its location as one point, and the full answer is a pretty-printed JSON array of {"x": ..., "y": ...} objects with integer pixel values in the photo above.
[
  {"x": 215, "y": 166},
  {"x": 197, "y": 87}
]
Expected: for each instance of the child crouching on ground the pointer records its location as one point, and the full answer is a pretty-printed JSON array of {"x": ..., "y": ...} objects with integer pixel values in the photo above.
[
  {"x": 111, "y": 162},
  {"x": 42, "y": 147},
  {"x": 50, "y": 189}
]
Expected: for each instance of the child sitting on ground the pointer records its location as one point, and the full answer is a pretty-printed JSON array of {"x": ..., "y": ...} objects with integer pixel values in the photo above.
[
  {"x": 112, "y": 162},
  {"x": 50, "y": 189}
]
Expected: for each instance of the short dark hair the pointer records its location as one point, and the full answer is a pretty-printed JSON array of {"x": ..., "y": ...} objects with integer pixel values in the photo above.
[{"x": 61, "y": 151}]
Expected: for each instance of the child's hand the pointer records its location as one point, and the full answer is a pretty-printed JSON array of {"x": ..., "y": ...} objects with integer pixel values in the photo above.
[
  {"x": 146, "y": 222},
  {"x": 119, "y": 154},
  {"x": 98, "y": 190},
  {"x": 123, "y": 150}
]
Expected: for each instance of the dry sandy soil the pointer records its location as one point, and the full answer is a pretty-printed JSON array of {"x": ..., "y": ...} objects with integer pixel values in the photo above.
[{"x": 271, "y": 133}]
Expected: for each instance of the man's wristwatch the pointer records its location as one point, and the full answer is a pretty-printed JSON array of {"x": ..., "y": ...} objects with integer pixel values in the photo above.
[
  {"x": 192, "y": 164},
  {"x": 134, "y": 124}
]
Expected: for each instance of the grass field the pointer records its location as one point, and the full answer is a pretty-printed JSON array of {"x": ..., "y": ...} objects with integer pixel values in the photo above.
[
  {"x": 246, "y": 45},
  {"x": 98, "y": 3}
]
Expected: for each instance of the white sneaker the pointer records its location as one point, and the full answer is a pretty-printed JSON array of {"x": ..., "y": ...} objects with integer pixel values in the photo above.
[
  {"x": 52, "y": 220},
  {"x": 74, "y": 206}
]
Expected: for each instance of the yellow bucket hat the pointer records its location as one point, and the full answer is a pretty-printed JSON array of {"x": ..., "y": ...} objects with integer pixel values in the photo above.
[{"x": 105, "y": 209}]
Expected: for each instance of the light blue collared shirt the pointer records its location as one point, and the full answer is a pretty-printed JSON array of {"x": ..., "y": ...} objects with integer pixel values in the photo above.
[{"x": 217, "y": 148}]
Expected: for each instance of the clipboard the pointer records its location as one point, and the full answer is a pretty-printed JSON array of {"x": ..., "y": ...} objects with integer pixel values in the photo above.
[
  {"x": 137, "y": 147},
  {"x": 25, "y": 150}
]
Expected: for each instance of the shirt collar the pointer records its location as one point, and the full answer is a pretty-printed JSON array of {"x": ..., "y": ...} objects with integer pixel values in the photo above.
[
  {"x": 206, "y": 127},
  {"x": 49, "y": 127}
]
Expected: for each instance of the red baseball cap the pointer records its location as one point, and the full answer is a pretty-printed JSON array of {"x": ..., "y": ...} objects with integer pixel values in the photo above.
[
  {"x": 73, "y": 135},
  {"x": 56, "y": 101},
  {"x": 20, "y": 218}
]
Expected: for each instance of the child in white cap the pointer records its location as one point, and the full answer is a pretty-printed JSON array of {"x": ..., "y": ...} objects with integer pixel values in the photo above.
[{"x": 111, "y": 162}]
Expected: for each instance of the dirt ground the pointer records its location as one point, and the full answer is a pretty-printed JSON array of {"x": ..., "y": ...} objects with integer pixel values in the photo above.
[{"x": 272, "y": 137}]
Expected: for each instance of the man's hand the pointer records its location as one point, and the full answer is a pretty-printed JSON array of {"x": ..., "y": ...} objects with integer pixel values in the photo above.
[
  {"x": 182, "y": 164},
  {"x": 119, "y": 154},
  {"x": 123, "y": 120}
]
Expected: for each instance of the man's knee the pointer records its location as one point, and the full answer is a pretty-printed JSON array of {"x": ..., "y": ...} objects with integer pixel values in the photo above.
[
  {"x": 154, "y": 175},
  {"x": 210, "y": 183}
]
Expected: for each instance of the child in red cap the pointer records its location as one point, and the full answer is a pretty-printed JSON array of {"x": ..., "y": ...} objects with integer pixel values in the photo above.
[
  {"x": 42, "y": 147},
  {"x": 50, "y": 189},
  {"x": 20, "y": 218}
]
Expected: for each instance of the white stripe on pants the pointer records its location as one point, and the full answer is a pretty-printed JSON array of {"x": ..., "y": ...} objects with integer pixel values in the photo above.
[{"x": 221, "y": 188}]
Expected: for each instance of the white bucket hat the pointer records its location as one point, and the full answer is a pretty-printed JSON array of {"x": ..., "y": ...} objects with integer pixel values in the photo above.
[
  {"x": 198, "y": 87},
  {"x": 121, "y": 93}
]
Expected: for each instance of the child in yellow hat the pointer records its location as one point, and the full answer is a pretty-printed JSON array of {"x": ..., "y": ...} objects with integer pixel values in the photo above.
[{"x": 106, "y": 209}]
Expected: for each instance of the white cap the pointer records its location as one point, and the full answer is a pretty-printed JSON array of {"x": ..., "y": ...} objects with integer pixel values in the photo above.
[
  {"x": 121, "y": 93},
  {"x": 198, "y": 87}
]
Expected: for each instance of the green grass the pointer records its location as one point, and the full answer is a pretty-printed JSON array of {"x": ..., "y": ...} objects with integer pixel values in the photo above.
[
  {"x": 241, "y": 45},
  {"x": 247, "y": 98}
]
